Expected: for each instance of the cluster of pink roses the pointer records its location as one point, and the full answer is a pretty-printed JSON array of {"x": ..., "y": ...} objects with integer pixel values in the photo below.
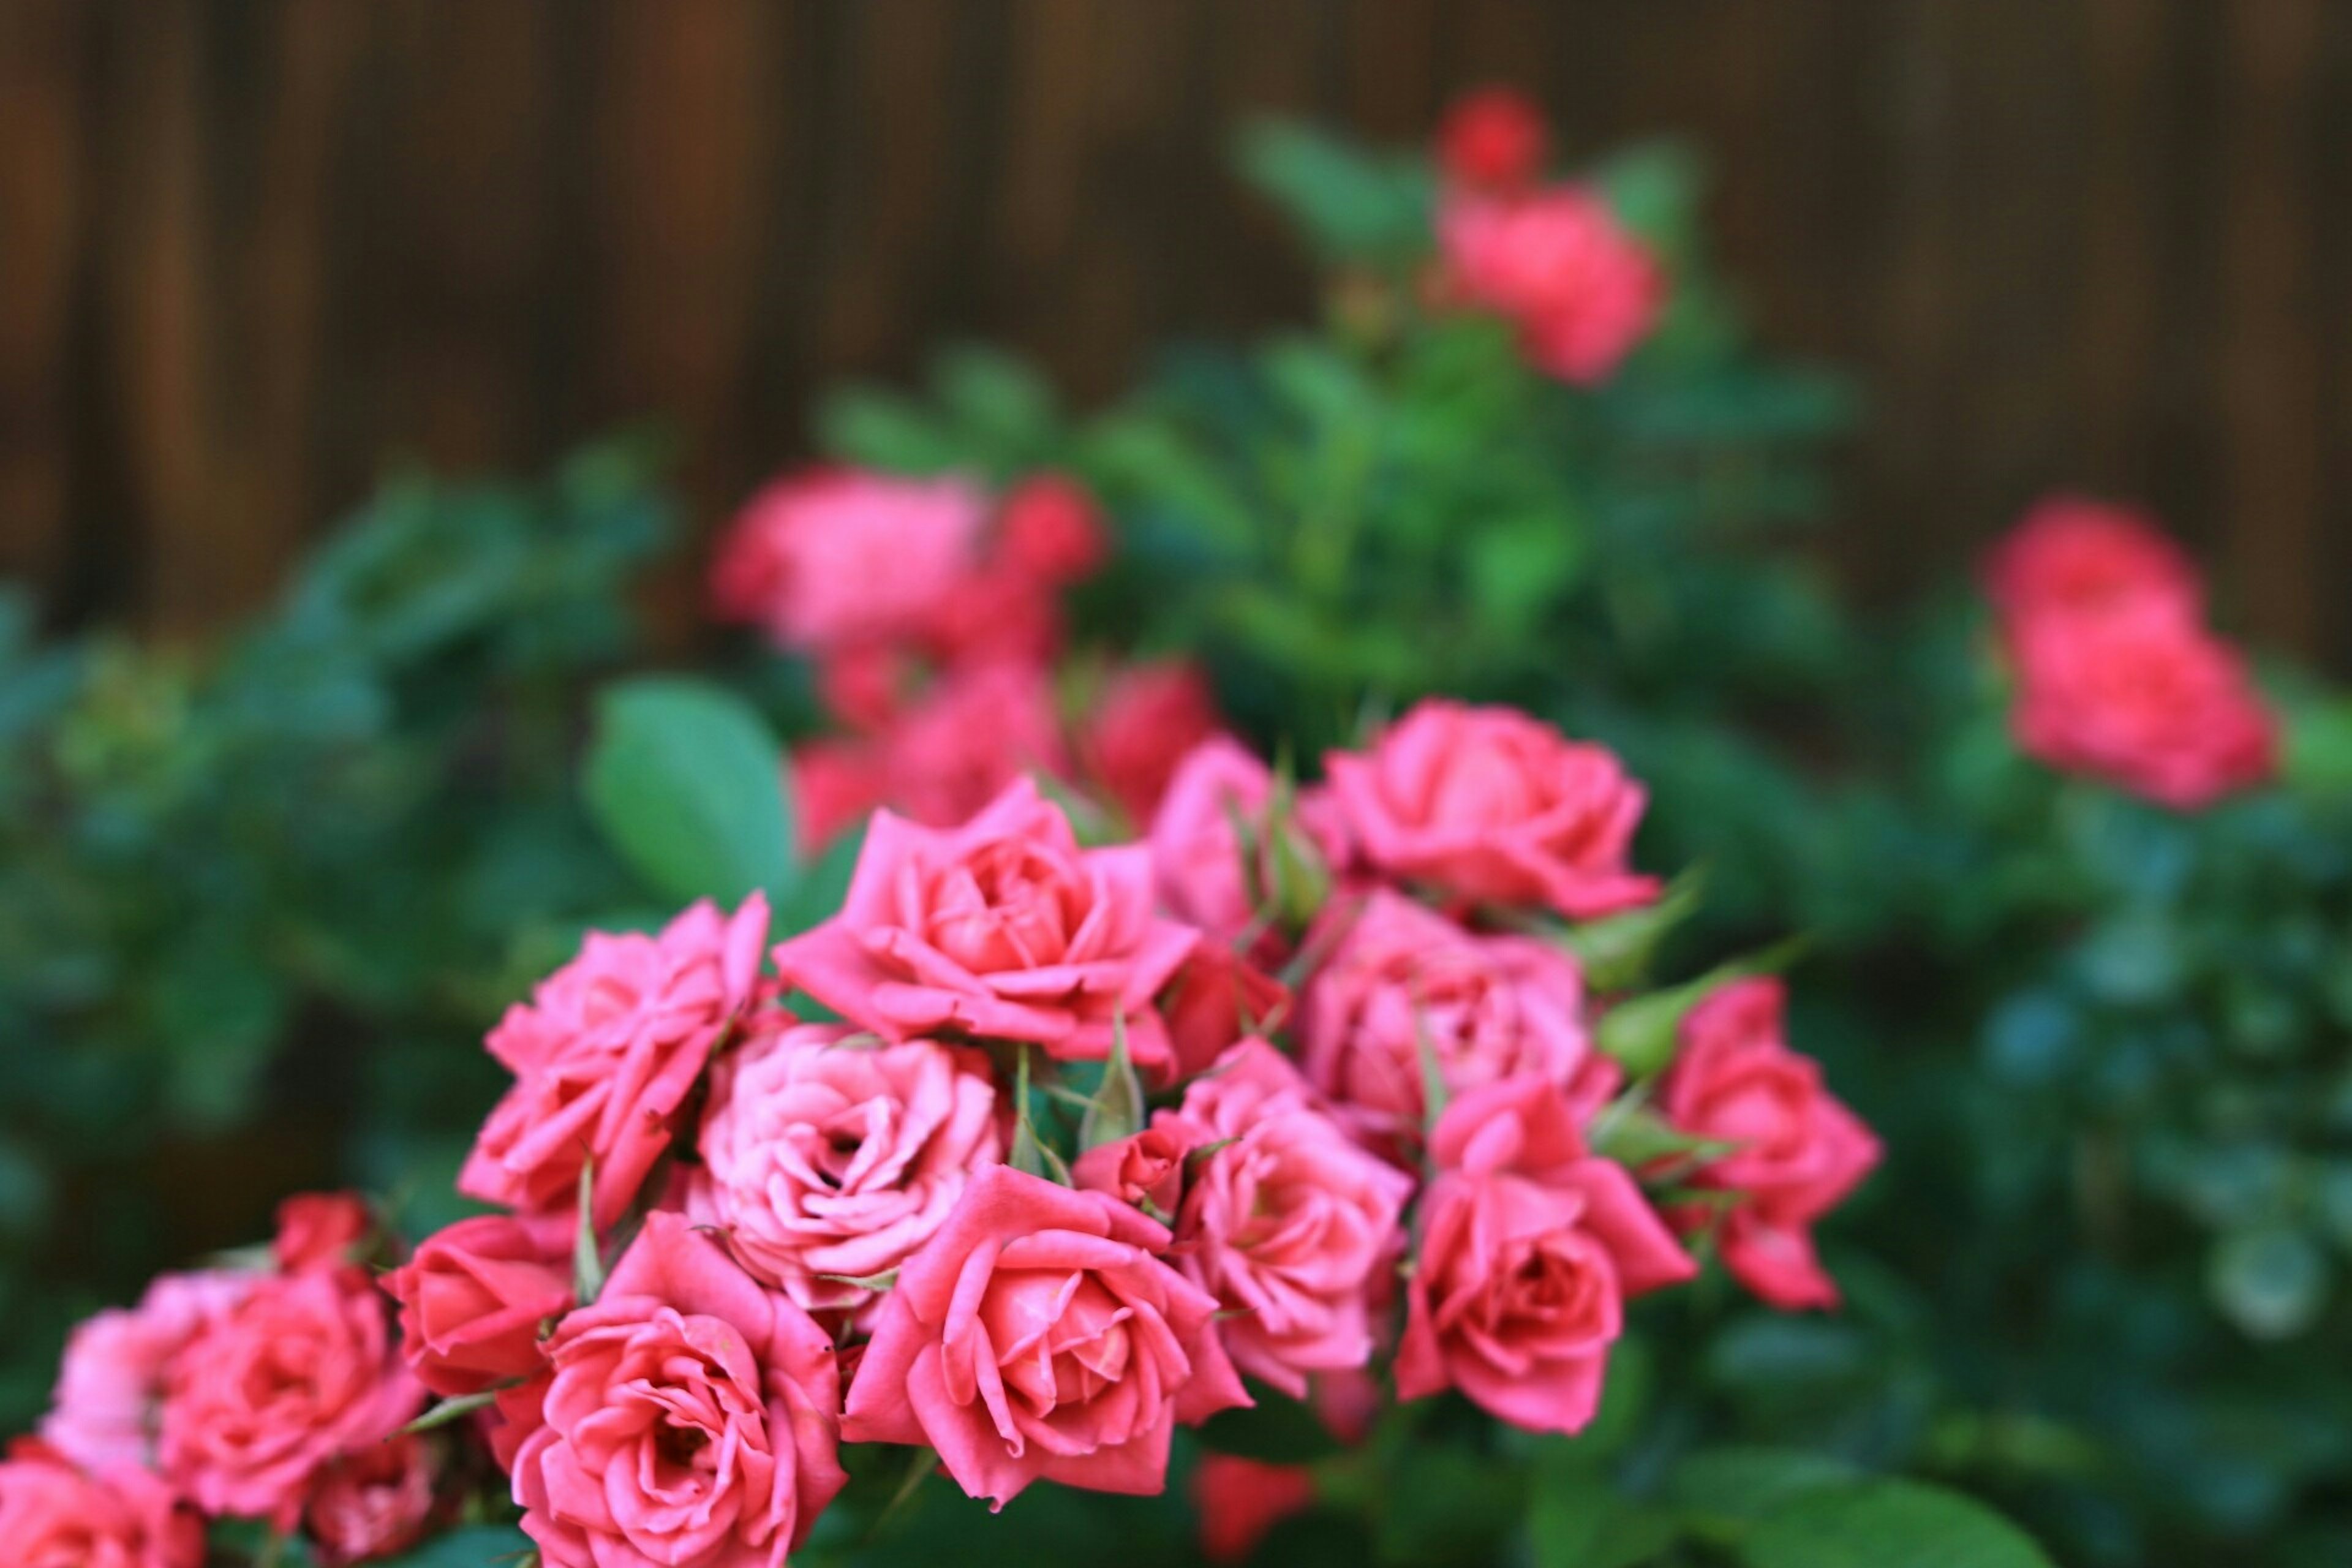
[
  {"x": 931, "y": 612},
  {"x": 2117, "y": 676}
]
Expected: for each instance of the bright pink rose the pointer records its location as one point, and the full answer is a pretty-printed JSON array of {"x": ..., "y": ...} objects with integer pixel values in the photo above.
[
  {"x": 1529, "y": 1250},
  {"x": 1038, "y": 1336},
  {"x": 1051, "y": 529},
  {"x": 1219, "y": 998},
  {"x": 1148, "y": 719},
  {"x": 691, "y": 1423},
  {"x": 1493, "y": 137},
  {"x": 826, "y": 1161},
  {"x": 110, "y": 1392},
  {"x": 983, "y": 726},
  {"x": 300, "y": 1373},
  {"x": 835, "y": 782},
  {"x": 374, "y": 1502},
  {"x": 2071, "y": 554},
  {"x": 2145, "y": 701},
  {"x": 1002, "y": 929},
  {"x": 1402, "y": 978},
  {"x": 473, "y": 1297},
  {"x": 1239, "y": 1500},
  {"x": 837, "y": 556},
  {"x": 1800, "y": 1152},
  {"x": 1145, "y": 1168},
  {"x": 321, "y": 1230},
  {"x": 1203, "y": 875},
  {"x": 606, "y": 1052},
  {"x": 1292, "y": 1226},
  {"x": 1581, "y": 290},
  {"x": 53, "y": 1515},
  {"x": 1491, "y": 805}
]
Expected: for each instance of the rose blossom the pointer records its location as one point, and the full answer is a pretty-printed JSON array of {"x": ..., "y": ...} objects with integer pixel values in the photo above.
[
  {"x": 1002, "y": 929},
  {"x": 839, "y": 555},
  {"x": 826, "y": 1161},
  {"x": 1491, "y": 805},
  {"x": 1050, "y": 527},
  {"x": 1529, "y": 1247},
  {"x": 2071, "y": 554},
  {"x": 1800, "y": 1152},
  {"x": 1219, "y": 998},
  {"x": 1145, "y": 721},
  {"x": 1145, "y": 1168},
  {"x": 1493, "y": 137},
  {"x": 604, "y": 1054},
  {"x": 691, "y": 1421},
  {"x": 2145, "y": 701},
  {"x": 321, "y": 1230},
  {"x": 1206, "y": 876},
  {"x": 53, "y": 1515},
  {"x": 110, "y": 1390},
  {"x": 983, "y": 726},
  {"x": 473, "y": 1297},
  {"x": 836, "y": 781},
  {"x": 1038, "y": 1336},
  {"x": 1402, "y": 979},
  {"x": 1556, "y": 261},
  {"x": 1239, "y": 1500},
  {"x": 299, "y": 1374},
  {"x": 1292, "y": 1226},
  {"x": 374, "y": 1502}
]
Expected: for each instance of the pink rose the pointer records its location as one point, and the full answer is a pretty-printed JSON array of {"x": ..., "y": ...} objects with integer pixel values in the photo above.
[
  {"x": 1146, "y": 720},
  {"x": 691, "y": 1421},
  {"x": 1292, "y": 1226},
  {"x": 109, "y": 1390},
  {"x": 834, "y": 785},
  {"x": 1002, "y": 929},
  {"x": 865, "y": 685},
  {"x": 605, "y": 1055},
  {"x": 1051, "y": 529},
  {"x": 1800, "y": 1152},
  {"x": 1528, "y": 1248},
  {"x": 1239, "y": 1500},
  {"x": 54, "y": 1516},
  {"x": 1582, "y": 291},
  {"x": 2071, "y": 554},
  {"x": 1402, "y": 978},
  {"x": 1493, "y": 137},
  {"x": 826, "y": 1161},
  {"x": 1197, "y": 857},
  {"x": 2145, "y": 701},
  {"x": 1038, "y": 1336},
  {"x": 837, "y": 556},
  {"x": 321, "y": 1230},
  {"x": 473, "y": 1297},
  {"x": 1490, "y": 806},
  {"x": 983, "y": 726},
  {"x": 300, "y": 1373},
  {"x": 373, "y": 1503},
  {"x": 1219, "y": 998},
  {"x": 1145, "y": 1169}
]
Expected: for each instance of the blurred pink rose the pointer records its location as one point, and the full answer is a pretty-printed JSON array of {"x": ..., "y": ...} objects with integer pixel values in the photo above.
[
  {"x": 1490, "y": 806},
  {"x": 691, "y": 1422},
  {"x": 1148, "y": 719},
  {"x": 1581, "y": 290},
  {"x": 1528, "y": 1248},
  {"x": 1493, "y": 137},
  {"x": 835, "y": 782},
  {"x": 53, "y": 1515},
  {"x": 321, "y": 1230},
  {"x": 1038, "y": 1336},
  {"x": 109, "y": 1393},
  {"x": 1218, "y": 998},
  {"x": 826, "y": 1161},
  {"x": 373, "y": 1503},
  {"x": 1002, "y": 929},
  {"x": 473, "y": 1297},
  {"x": 980, "y": 728},
  {"x": 1239, "y": 1500},
  {"x": 1800, "y": 1152},
  {"x": 2071, "y": 554},
  {"x": 606, "y": 1053},
  {"x": 1050, "y": 527},
  {"x": 1197, "y": 858}
]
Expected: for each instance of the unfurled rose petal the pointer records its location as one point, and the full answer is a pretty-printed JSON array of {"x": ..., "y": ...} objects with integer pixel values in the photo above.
[
  {"x": 1240, "y": 1499},
  {"x": 1488, "y": 806},
  {"x": 1146, "y": 720},
  {"x": 373, "y": 1503},
  {"x": 55, "y": 1515},
  {"x": 1038, "y": 1336},
  {"x": 827, "y": 1160},
  {"x": 322, "y": 1230},
  {"x": 473, "y": 1297},
  {"x": 110, "y": 1392},
  {"x": 1797, "y": 1152},
  {"x": 691, "y": 1420},
  {"x": 1493, "y": 139},
  {"x": 1581, "y": 290}
]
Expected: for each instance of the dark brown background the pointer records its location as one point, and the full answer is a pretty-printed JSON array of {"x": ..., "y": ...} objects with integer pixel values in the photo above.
[{"x": 251, "y": 249}]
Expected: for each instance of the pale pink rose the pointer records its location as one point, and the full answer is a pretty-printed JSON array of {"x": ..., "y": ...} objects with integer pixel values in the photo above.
[
  {"x": 1219, "y": 998},
  {"x": 1492, "y": 806},
  {"x": 473, "y": 1297},
  {"x": 300, "y": 1373},
  {"x": 322, "y": 1230},
  {"x": 1800, "y": 1152},
  {"x": 836, "y": 784},
  {"x": 691, "y": 1422},
  {"x": 1581, "y": 290},
  {"x": 1038, "y": 1336},
  {"x": 834, "y": 556},
  {"x": 2071, "y": 554},
  {"x": 2145, "y": 701},
  {"x": 1239, "y": 1500},
  {"x": 1050, "y": 527},
  {"x": 1145, "y": 1169},
  {"x": 109, "y": 1393},
  {"x": 827, "y": 1160},
  {"x": 1529, "y": 1249},
  {"x": 1400, "y": 979},
  {"x": 1146, "y": 720},
  {"x": 53, "y": 1515},
  {"x": 1493, "y": 137},
  {"x": 1292, "y": 1226},
  {"x": 980, "y": 728},
  {"x": 373, "y": 1503},
  {"x": 1002, "y": 929},
  {"x": 606, "y": 1054}
]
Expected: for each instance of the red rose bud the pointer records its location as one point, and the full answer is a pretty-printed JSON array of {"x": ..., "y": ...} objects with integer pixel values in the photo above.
[{"x": 1494, "y": 138}]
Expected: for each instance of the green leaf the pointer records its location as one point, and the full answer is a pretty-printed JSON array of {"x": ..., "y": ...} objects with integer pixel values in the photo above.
[
  {"x": 1880, "y": 1524},
  {"x": 1277, "y": 1430},
  {"x": 1742, "y": 1485},
  {"x": 1615, "y": 952},
  {"x": 1116, "y": 1109},
  {"x": 475, "y": 1546},
  {"x": 1643, "y": 1033},
  {"x": 1353, "y": 205},
  {"x": 449, "y": 1410},
  {"x": 688, "y": 783},
  {"x": 1030, "y": 1155},
  {"x": 587, "y": 1260}
]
